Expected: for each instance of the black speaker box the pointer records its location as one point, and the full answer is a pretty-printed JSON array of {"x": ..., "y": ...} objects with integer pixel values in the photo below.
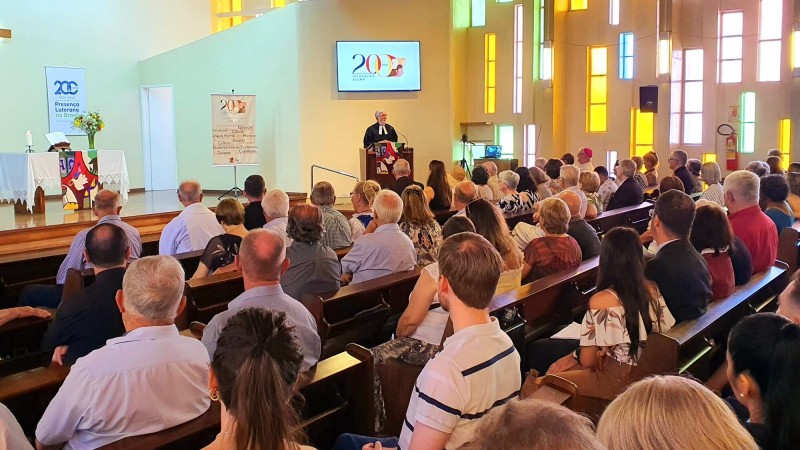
[{"x": 648, "y": 99}]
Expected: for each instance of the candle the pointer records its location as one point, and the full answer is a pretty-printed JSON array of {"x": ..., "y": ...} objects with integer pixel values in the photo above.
[{"x": 28, "y": 138}]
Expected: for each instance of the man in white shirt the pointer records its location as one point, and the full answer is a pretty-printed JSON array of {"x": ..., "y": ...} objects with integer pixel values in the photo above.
[
  {"x": 193, "y": 227},
  {"x": 585, "y": 159},
  {"x": 276, "y": 210},
  {"x": 146, "y": 381},
  {"x": 570, "y": 175},
  {"x": 464, "y": 193},
  {"x": 385, "y": 251},
  {"x": 607, "y": 186}
]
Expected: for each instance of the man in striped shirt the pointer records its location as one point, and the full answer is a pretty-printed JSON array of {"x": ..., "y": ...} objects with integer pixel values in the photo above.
[{"x": 477, "y": 370}]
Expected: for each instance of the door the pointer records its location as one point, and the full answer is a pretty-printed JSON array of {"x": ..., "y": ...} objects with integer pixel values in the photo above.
[{"x": 158, "y": 138}]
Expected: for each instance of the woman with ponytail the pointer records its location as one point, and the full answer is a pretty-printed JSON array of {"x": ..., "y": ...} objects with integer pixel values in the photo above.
[
  {"x": 763, "y": 364},
  {"x": 253, "y": 375}
]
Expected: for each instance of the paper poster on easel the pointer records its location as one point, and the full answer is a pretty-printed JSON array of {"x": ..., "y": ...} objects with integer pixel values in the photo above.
[{"x": 233, "y": 130}]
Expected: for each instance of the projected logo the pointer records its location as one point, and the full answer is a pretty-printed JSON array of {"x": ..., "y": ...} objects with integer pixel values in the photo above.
[
  {"x": 66, "y": 87},
  {"x": 377, "y": 66}
]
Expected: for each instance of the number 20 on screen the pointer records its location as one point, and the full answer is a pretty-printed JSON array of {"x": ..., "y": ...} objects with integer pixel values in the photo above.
[{"x": 373, "y": 64}]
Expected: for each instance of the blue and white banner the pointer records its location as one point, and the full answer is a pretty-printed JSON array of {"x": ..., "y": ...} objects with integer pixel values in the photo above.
[{"x": 66, "y": 98}]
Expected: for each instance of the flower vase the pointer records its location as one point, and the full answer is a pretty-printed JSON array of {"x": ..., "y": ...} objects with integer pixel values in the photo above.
[{"x": 91, "y": 141}]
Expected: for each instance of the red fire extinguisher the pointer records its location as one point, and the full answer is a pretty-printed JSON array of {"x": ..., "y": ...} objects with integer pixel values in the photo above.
[{"x": 732, "y": 151}]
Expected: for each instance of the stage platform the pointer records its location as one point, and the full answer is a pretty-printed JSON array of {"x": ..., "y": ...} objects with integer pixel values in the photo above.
[{"x": 28, "y": 236}]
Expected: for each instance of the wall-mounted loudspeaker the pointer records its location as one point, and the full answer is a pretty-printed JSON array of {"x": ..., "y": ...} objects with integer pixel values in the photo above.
[{"x": 648, "y": 99}]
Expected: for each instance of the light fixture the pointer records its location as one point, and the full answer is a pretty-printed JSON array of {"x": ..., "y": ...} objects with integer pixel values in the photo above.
[
  {"x": 796, "y": 50},
  {"x": 547, "y": 63},
  {"x": 5, "y": 33},
  {"x": 664, "y": 55}
]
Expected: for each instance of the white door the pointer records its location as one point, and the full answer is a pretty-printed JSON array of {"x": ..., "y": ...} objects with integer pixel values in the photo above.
[{"x": 158, "y": 139}]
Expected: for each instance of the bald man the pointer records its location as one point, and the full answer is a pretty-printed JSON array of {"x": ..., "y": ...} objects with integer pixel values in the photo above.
[
  {"x": 262, "y": 261},
  {"x": 107, "y": 208},
  {"x": 464, "y": 193},
  {"x": 579, "y": 229},
  {"x": 494, "y": 182},
  {"x": 193, "y": 227}
]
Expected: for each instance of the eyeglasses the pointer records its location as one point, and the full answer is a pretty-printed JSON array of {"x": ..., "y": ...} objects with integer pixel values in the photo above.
[{"x": 651, "y": 213}]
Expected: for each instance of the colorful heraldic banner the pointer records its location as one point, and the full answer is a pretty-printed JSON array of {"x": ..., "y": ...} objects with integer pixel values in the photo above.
[
  {"x": 66, "y": 98},
  {"x": 233, "y": 130}
]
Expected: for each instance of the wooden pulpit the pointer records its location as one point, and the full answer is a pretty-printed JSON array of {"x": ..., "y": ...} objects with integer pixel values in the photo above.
[{"x": 371, "y": 170}]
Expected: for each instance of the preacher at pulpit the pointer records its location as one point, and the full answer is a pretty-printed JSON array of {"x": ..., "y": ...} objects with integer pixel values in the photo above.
[{"x": 379, "y": 131}]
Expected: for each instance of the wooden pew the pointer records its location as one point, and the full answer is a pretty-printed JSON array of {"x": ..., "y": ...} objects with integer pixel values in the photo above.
[
  {"x": 208, "y": 296},
  {"x": 636, "y": 217},
  {"x": 789, "y": 248},
  {"x": 19, "y": 344},
  {"x": 28, "y": 393}
]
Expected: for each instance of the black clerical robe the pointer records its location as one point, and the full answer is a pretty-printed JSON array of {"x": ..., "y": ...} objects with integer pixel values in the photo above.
[{"x": 373, "y": 135}]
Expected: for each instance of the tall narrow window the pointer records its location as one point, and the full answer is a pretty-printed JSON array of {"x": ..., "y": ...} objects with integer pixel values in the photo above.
[
  {"x": 709, "y": 157},
  {"x": 626, "y": 56},
  {"x": 676, "y": 95},
  {"x": 538, "y": 37},
  {"x": 613, "y": 12},
  {"x": 693, "y": 96},
  {"x": 505, "y": 137},
  {"x": 530, "y": 145},
  {"x": 611, "y": 159},
  {"x": 748, "y": 140},
  {"x": 785, "y": 142},
  {"x": 598, "y": 89},
  {"x": 769, "y": 40},
  {"x": 222, "y": 7},
  {"x": 518, "y": 52},
  {"x": 578, "y": 5},
  {"x": 730, "y": 47},
  {"x": 643, "y": 132},
  {"x": 278, "y": 3},
  {"x": 490, "y": 79},
  {"x": 478, "y": 13}
]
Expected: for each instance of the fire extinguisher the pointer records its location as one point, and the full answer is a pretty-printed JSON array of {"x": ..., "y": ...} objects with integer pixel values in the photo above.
[{"x": 731, "y": 146}]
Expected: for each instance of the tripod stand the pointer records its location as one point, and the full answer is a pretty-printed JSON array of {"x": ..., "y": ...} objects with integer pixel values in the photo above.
[
  {"x": 463, "y": 162},
  {"x": 234, "y": 191}
]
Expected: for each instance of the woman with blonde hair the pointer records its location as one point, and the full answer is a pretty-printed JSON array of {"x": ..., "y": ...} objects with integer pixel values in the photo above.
[
  {"x": 650, "y": 160},
  {"x": 590, "y": 183},
  {"x": 638, "y": 175},
  {"x": 420, "y": 225},
  {"x": 712, "y": 176},
  {"x": 221, "y": 250},
  {"x": 363, "y": 195},
  {"x": 671, "y": 413}
]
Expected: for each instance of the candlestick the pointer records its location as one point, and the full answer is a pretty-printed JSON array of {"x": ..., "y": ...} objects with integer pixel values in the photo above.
[{"x": 28, "y": 138}]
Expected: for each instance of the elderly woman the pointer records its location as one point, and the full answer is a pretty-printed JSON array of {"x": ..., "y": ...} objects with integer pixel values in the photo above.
[
  {"x": 313, "y": 267},
  {"x": 712, "y": 176},
  {"x": 221, "y": 250},
  {"x": 759, "y": 168},
  {"x": 541, "y": 180},
  {"x": 363, "y": 194},
  {"x": 694, "y": 166},
  {"x": 650, "y": 160},
  {"x": 774, "y": 192},
  {"x": 513, "y": 201},
  {"x": 590, "y": 183},
  {"x": 420, "y": 225},
  {"x": 556, "y": 250},
  {"x": 793, "y": 178},
  {"x": 480, "y": 176},
  {"x": 337, "y": 228}
]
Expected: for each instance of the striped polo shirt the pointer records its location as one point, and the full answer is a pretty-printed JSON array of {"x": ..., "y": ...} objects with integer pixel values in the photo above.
[{"x": 477, "y": 370}]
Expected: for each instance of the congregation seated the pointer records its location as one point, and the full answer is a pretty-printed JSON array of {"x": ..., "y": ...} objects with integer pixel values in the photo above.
[
  {"x": 793, "y": 179},
  {"x": 21, "y": 312},
  {"x": 750, "y": 224},
  {"x": 570, "y": 179},
  {"x": 437, "y": 189},
  {"x": 671, "y": 412},
  {"x": 489, "y": 223},
  {"x": 526, "y": 183},
  {"x": 638, "y": 175},
  {"x": 589, "y": 183},
  {"x": 512, "y": 201},
  {"x": 794, "y": 167},
  {"x": 262, "y": 261},
  {"x": 464, "y": 193},
  {"x": 625, "y": 309},
  {"x": 107, "y": 208},
  {"x": 585, "y": 159},
  {"x": 313, "y": 268},
  {"x": 711, "y": 176},
  {"x": 402, "y": 174},
  {"x": 650, "y": 160},
  {"x": 478, "y": 367},
  {"x": 540, "y": 162},
  {"x": 629, "y": 192},
  {"x": 726, "y": 256},
  {"x": 254, "y": 190},
  {"x": 363, "y": 195},
  {"x": 420, "y": 225},
  {"x": 568, "y": 159},
  {"x": 774, "y": 161},
  {"x": 677, "y": 268},
  {"x": 677, "y": 163},
  {"x": 764, "y": 357},
  {"x": 91, "y": 317},
  {"x": 554, "y": 251},
  {"x": 694, "y": 166},
  {"x": 760, "y": 168},
  {"x": 220, "y": 250},
  {"x": 494, "y": 181},
  {"x": 553, "y": 170},
  {"x": 535, "y": 425},
  {"x": 480, "y": 176},
  {"x": 385, "y": 251},
  {"x": 669, "y": 183},
  {"x": 541, "y": 181},
  {"x": 607, "y": 186},
  {"x": 773, "y": 195},
  {"x": 193, "y": 227},
  {"x": 276, "y": 210},
  {"x": 337, "y": 228},
  {"x": 254, "y": 371},
  {"x": 148, "y": 380}
]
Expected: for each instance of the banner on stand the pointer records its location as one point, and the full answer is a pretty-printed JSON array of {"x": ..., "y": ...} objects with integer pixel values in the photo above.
[
  {"x": 66, "y": 98},
  {"x": 233, "y": 130}
]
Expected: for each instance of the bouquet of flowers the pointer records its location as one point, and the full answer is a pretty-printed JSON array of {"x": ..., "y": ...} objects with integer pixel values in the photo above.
[{"x": 91, "y": 123}]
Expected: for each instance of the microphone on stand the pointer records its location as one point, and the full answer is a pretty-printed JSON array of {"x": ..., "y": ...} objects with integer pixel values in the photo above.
[{"x": 404, "y": 136}]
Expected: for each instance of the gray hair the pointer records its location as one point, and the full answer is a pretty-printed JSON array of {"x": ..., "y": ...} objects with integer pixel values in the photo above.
[
  {"x": 759, "y": 168},
  {"x": 570, "y": 175},
  {"x": 323, "y": 194},
  {"x": 106, "y": 201},
  {"x": 681, "y": 155},
  {"x": 261, "y": 254},
  {"x": 190, "y": 191},
  {"x": 402, "y": 167},
  {"x": 628, "y": 167},
  {"x": 540, "y": 162},
  {"x": 153, "y": 287},
  {"x": 744, "y": 186},
  {"x": 275, "y": 203},
  {"x": 378, "y": 113},
  {"x": 710, "y": 173},
  {"x": 388, "y": 206},
  {"x": 511, "y": 179}
]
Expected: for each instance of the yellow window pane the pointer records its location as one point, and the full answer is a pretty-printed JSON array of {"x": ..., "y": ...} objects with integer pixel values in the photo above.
[
  {"x": 490, "y": 100},
  {"x": 786, "y": 159},
  {"x": 578, "y": 5},
  {"x": 278, "y": 3},
  {"x": 491, "y": 47},
  {"x": 785, "y": 136},
  {"x": 598, "y": 90},
  {"x": 644, "y": 128},
  {"x": 642, "y": 150},
  {"x": 709, "y": 157},
  {"x": 599, "y": 63},
  {"x": 491, "y": 74},
  {"x": 597, "y": 118}
]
